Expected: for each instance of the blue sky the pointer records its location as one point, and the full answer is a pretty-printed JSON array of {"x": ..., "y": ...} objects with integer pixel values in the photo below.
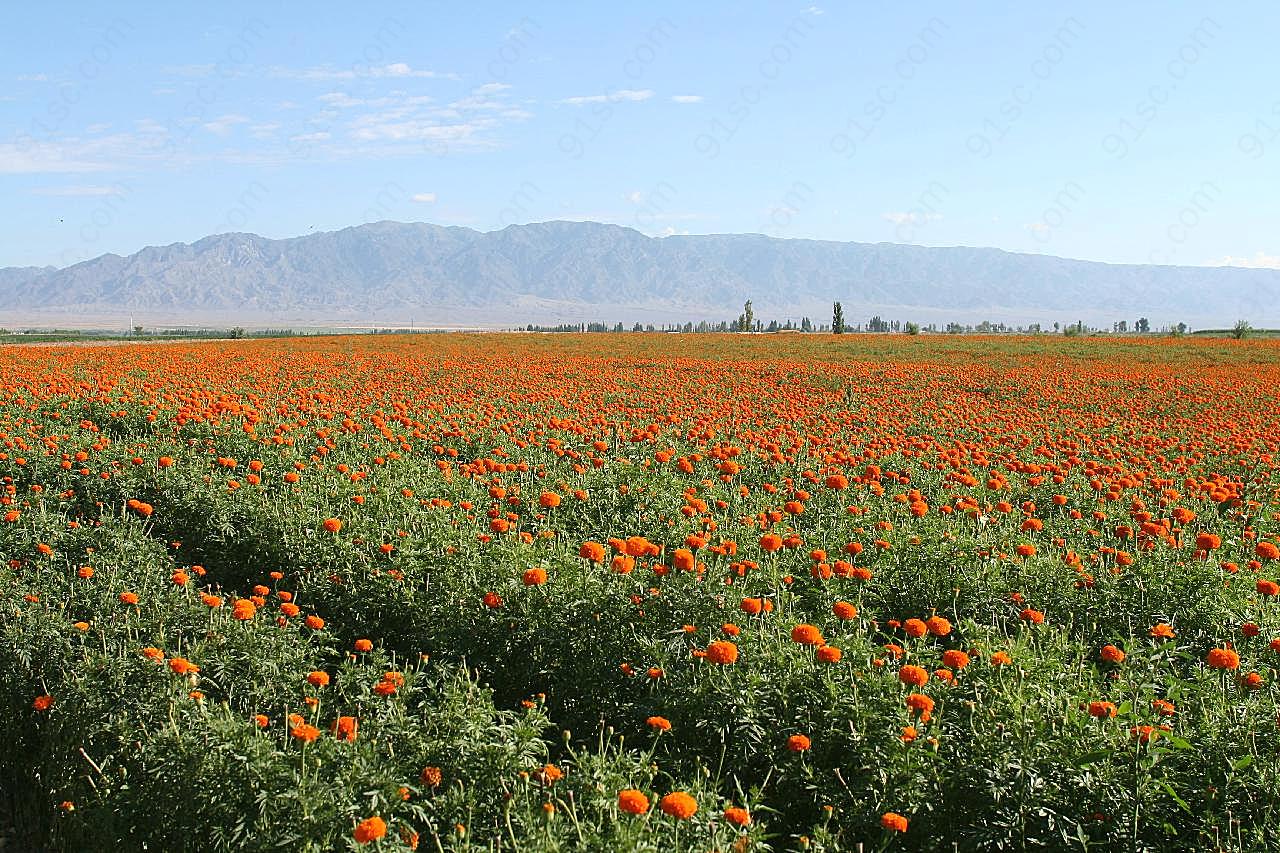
[{"x": 1136, "y": 132}]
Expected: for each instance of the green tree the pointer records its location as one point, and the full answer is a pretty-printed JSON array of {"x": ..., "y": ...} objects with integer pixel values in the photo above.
[
  {"x": 1241, "y": 329},
  {"x": 837, "y": 319}
]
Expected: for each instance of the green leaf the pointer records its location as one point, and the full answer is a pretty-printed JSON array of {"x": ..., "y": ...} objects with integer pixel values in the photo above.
[
  {"x": 1168, "y": 789},
  {"x": 1092, "y": 757},
  {"x": 1242, "y": 763}
]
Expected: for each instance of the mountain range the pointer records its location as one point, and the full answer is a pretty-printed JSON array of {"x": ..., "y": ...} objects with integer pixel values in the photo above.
[{"x": 394, "y": 274}]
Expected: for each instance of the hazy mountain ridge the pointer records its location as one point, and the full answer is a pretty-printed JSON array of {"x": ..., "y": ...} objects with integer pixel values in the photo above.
[{"x": 388, "y": 271}]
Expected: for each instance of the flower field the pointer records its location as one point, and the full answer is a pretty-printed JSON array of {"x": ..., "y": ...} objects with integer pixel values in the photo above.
[{"x": 641, "y": 592}]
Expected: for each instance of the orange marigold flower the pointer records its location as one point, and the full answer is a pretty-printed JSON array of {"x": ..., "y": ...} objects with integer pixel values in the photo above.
[
  {"x": 318, "y": 678},
  {"x": 1000, "y": 659},
  {"x": 315, "y": 623},
  {"x": 893, "y": 822},
  {"x": 492, "y": 600},
  {"x": 1267, "y": 551},
  {"x": 331, "y": 525},
  {"x": 548, "y": 774},
  {"x": 955, "y": 659},
  {"x": 42, "y": 703},
  {"x": 1161, "y": 631},
  {"x": 632, "y": 801},
  {"x": 770, "y": 542},
  {"x": 243, "y": 609},
  {"x": 829, "y": 654},
  {"x": 1267, "y": 587},
  {"x": 844, "y": 610},
  {"x": 594, "y": 552},
  {"x": 1035, "y": 617},
  {"x": 914, "y": 676},
  {"x": 363, "y": 645},
  {"x": 548, "y": 500},
  {"x": 938, "y": 626},
  {"x": 305, "y": 732},
  {"x": 1102, "y": 709},
  {"x": 370, "y": 829},
  {"x": 798, "y": 743},
  {"x": 678, "y": 804},
  {"x": 915, "y": 628},
  {"x": 1223, "y": 659},
  {"x": 128, "y": 598},
  {"x": 1208, "y": 541},
  {"x": 534, "y": 577},
  {"x": 1111, "y": 654},
  {"x": 722, "y": 652},
  {"x": 737, "y": 816},
  {"x": 1144, "y": 734},
  {"x": 431, "y": 777},
  {"x": 346, "y": 728},
  {"x": 806, "y": 635},
  {"x": 182, "y": 666},
  {"x": 661, "y": 724}
]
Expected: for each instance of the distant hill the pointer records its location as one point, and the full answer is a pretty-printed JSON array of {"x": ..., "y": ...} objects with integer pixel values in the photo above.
[{"x": 391, "y": 273}]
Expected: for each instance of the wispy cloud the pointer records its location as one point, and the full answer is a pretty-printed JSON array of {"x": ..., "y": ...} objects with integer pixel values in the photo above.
[
  {"x": 394, "y": 69},
  {"x": 611, "y": 97},
  {"x": 687, "y": 99},
  {"x": 78, "y": 191},
  {"x": 912, "y": 218},
  {"x": 223, "y": 125},
  {"x": 35, "y": 158},
  {"x": 1259, "y": 261},
  {"x": 424, "y": 198},
  {"x": 467, "y": 122},
  {"x": 33, "y": 78}
]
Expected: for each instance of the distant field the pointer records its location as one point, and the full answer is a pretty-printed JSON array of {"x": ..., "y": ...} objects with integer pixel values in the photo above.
[{"x": 641, "y": 592}]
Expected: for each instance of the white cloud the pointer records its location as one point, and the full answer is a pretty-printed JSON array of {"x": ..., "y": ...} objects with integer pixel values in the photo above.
[
  {"x": 814, "y": 10},
  {"x": 394, "y": 69},
  {"x": 912, "y": 217},
  {"x": 611, "y": 97},
  {"x": 1037, "y": 227},
  {"x": 79, "y": 191},
  {"x": 1259, "y": 261},
  {"x": 222, "y": 125},
  {"x": 339, "y": 99},
  {"x": 635, "y": 197},
  {"x": 424, "y": 198},
  {"x": 33, "y": 78},
  {"x": 687, "y": 99},
  {"x": 466, "y": 122},
  {"x": 28, "y": 157}
]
